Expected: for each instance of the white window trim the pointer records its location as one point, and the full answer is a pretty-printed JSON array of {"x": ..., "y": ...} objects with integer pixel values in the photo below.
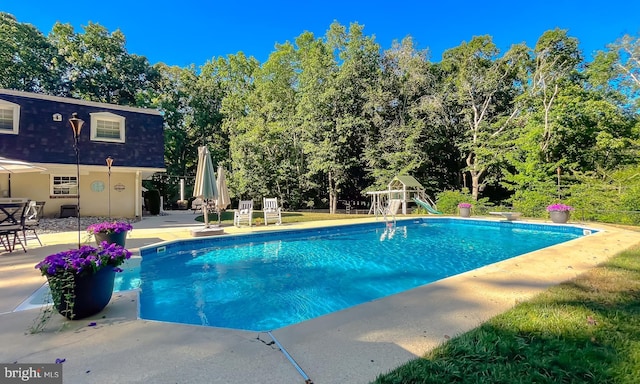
[
  {"x": 109, "y": 117},
  {"x": 16, "y": 117},
  {"x": 52, "y": 177}
]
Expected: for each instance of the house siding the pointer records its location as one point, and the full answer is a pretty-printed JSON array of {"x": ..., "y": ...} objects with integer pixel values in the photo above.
[
  {"x": 49, "y": 143},
  {"x": 42, "y": 140}
]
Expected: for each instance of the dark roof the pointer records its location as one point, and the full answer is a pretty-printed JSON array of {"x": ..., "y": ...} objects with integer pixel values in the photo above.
[{"x": 70, "y": 100}]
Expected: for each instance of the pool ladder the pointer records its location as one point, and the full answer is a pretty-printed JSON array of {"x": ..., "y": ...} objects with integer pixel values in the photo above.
[
  {"x": 390, "y": 210},
  {"x": 390, "y": 222}
]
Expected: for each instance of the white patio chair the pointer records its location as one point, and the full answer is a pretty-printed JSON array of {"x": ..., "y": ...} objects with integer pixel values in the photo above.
[
  {"x": 32, "y": 219},
  {"x": 271, "y": 210},
  {"x": 244, "y": 213}
]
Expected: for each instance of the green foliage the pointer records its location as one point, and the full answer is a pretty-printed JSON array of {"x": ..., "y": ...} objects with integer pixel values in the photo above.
[
  {"x": 27, "y": 58},
  {"x": 99, "y": 68},
  {"x": 533, "y": 202},
  {"x": 583, "y": 331},
  {"x": 447, "y": 201},
  {"x": 420, "y": 211},
  {"x": 613, "y": 198}
]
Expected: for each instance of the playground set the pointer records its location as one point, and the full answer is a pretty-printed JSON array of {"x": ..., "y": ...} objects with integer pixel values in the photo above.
[{"x": 401, "y": 191}]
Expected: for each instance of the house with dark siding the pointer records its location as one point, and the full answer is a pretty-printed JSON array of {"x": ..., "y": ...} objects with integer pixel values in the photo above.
[{"x": 36, "y": 128}]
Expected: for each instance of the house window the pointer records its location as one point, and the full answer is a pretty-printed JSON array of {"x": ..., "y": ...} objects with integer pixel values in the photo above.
[
  {"x": 9, "y": 117},
  {"x": 64, "y": 186},
  {"x": 106, "y": 126}
]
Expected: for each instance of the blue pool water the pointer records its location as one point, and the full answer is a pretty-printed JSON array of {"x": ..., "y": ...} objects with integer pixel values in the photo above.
[{"x": 270, "y": 280}]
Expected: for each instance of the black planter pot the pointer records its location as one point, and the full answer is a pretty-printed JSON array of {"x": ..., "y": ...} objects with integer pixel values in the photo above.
[
  {"x": 87, "y": 295},
  {"x": 111, "y": 238}
]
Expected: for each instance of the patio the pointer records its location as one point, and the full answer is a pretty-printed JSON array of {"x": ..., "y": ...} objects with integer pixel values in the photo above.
[{"x": 350, "y": 346}]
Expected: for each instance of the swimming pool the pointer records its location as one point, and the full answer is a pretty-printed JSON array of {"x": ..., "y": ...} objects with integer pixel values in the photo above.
[{"x": 269, "y": 280}]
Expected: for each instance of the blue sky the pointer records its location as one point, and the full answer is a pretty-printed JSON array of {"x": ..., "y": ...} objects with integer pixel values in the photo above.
[{"x": 194, "y": 31}]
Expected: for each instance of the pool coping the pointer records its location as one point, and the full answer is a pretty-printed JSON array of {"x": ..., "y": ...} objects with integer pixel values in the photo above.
[{"x": 353, "y": 345}]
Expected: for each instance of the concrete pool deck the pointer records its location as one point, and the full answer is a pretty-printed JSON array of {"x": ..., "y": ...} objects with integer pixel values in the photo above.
[{"x": 351, "y": 346}]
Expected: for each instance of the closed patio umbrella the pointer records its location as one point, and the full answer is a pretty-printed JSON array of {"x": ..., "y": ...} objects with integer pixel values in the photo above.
[
  {"x": 205, "y": 183},
  {"x": 223, "y": 200}
]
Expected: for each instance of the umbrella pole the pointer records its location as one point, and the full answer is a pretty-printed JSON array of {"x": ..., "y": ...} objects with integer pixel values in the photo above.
[{"x": 205, "y": 212}]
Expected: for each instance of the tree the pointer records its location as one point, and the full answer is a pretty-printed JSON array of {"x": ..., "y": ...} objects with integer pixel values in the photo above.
[
  {"x": 236, "y": 72},
  {"x": 97, "y": 66},
  {"x": 618, "y": 68},
  {"x": 537, "y": 145},
  {"x": 409, "y": 132},
  {"x": 206, "y": 97},
  {"x": 556, "y": 59},
  {"x": 27, "y": 59},
  {"x": 394, "y": 144},
  {"x": 171, "y": 96},
  {"x": 481, "y": 84},
  {"x": 268, "y": 130},
  {"x": 333, "y": 116}
]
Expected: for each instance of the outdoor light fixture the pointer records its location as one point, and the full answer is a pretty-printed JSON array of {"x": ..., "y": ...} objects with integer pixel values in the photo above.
[
  {"x": 109, "y": 161},
  {"x": 76, "y": 127}
]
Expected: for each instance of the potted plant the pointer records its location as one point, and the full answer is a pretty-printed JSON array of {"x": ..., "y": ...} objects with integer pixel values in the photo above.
[
  {"x": 559, "y": 213},
  {"x": 465, "y": 209},
  {"x": 81, "y": 280},
  {"x": 110, "y": 231}
]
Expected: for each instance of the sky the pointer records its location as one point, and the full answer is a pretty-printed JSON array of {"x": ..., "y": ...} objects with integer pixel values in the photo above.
[{"x": 189, "y": 32}]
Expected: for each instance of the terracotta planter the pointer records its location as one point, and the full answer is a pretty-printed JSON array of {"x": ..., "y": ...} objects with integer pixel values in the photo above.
[
  {"x": 89, "y": 294},
  {"x": 559, "y": 216},
  {"x": 117, "y": 238},
  {"x": 465, "y": 212}
]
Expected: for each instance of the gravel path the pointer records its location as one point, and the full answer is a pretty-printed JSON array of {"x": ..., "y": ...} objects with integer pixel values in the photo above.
[{"x": 71, "y": 223}]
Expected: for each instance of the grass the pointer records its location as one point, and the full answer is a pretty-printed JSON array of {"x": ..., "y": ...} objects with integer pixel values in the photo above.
[
  {"x": 586, "y": 330},
  {"x": 287, "y": 217}
]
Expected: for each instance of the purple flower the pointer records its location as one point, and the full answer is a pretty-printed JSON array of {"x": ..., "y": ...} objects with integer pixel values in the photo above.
[
  {"x": 109, "y": 227},
  {"x": 559, "y": 207},
  {"x": 85, "y": 260},
  {"x": 464, "y": 205}
]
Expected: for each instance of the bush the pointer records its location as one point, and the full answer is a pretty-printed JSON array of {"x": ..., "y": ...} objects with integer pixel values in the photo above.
[
  {"x": 448, "y": 201},
  {"x": 532, "y": 203}
]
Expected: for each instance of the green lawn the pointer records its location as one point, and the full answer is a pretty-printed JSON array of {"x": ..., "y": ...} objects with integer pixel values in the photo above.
[
  {"x": 583, "y": 331},
  {"x": 287, "y": 217}
]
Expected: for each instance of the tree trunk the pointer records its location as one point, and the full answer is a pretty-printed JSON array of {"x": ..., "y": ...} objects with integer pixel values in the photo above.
[
  {"x": 333, "y": 199},
  {"x": 475, "y": 185},
  {"x": 476, "y": 175}
]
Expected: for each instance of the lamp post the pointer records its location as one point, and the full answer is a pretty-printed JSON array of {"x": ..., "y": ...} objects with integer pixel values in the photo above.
[
  {"x": 109, "y": 163},
  {"x": 76, "y": 127}
]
